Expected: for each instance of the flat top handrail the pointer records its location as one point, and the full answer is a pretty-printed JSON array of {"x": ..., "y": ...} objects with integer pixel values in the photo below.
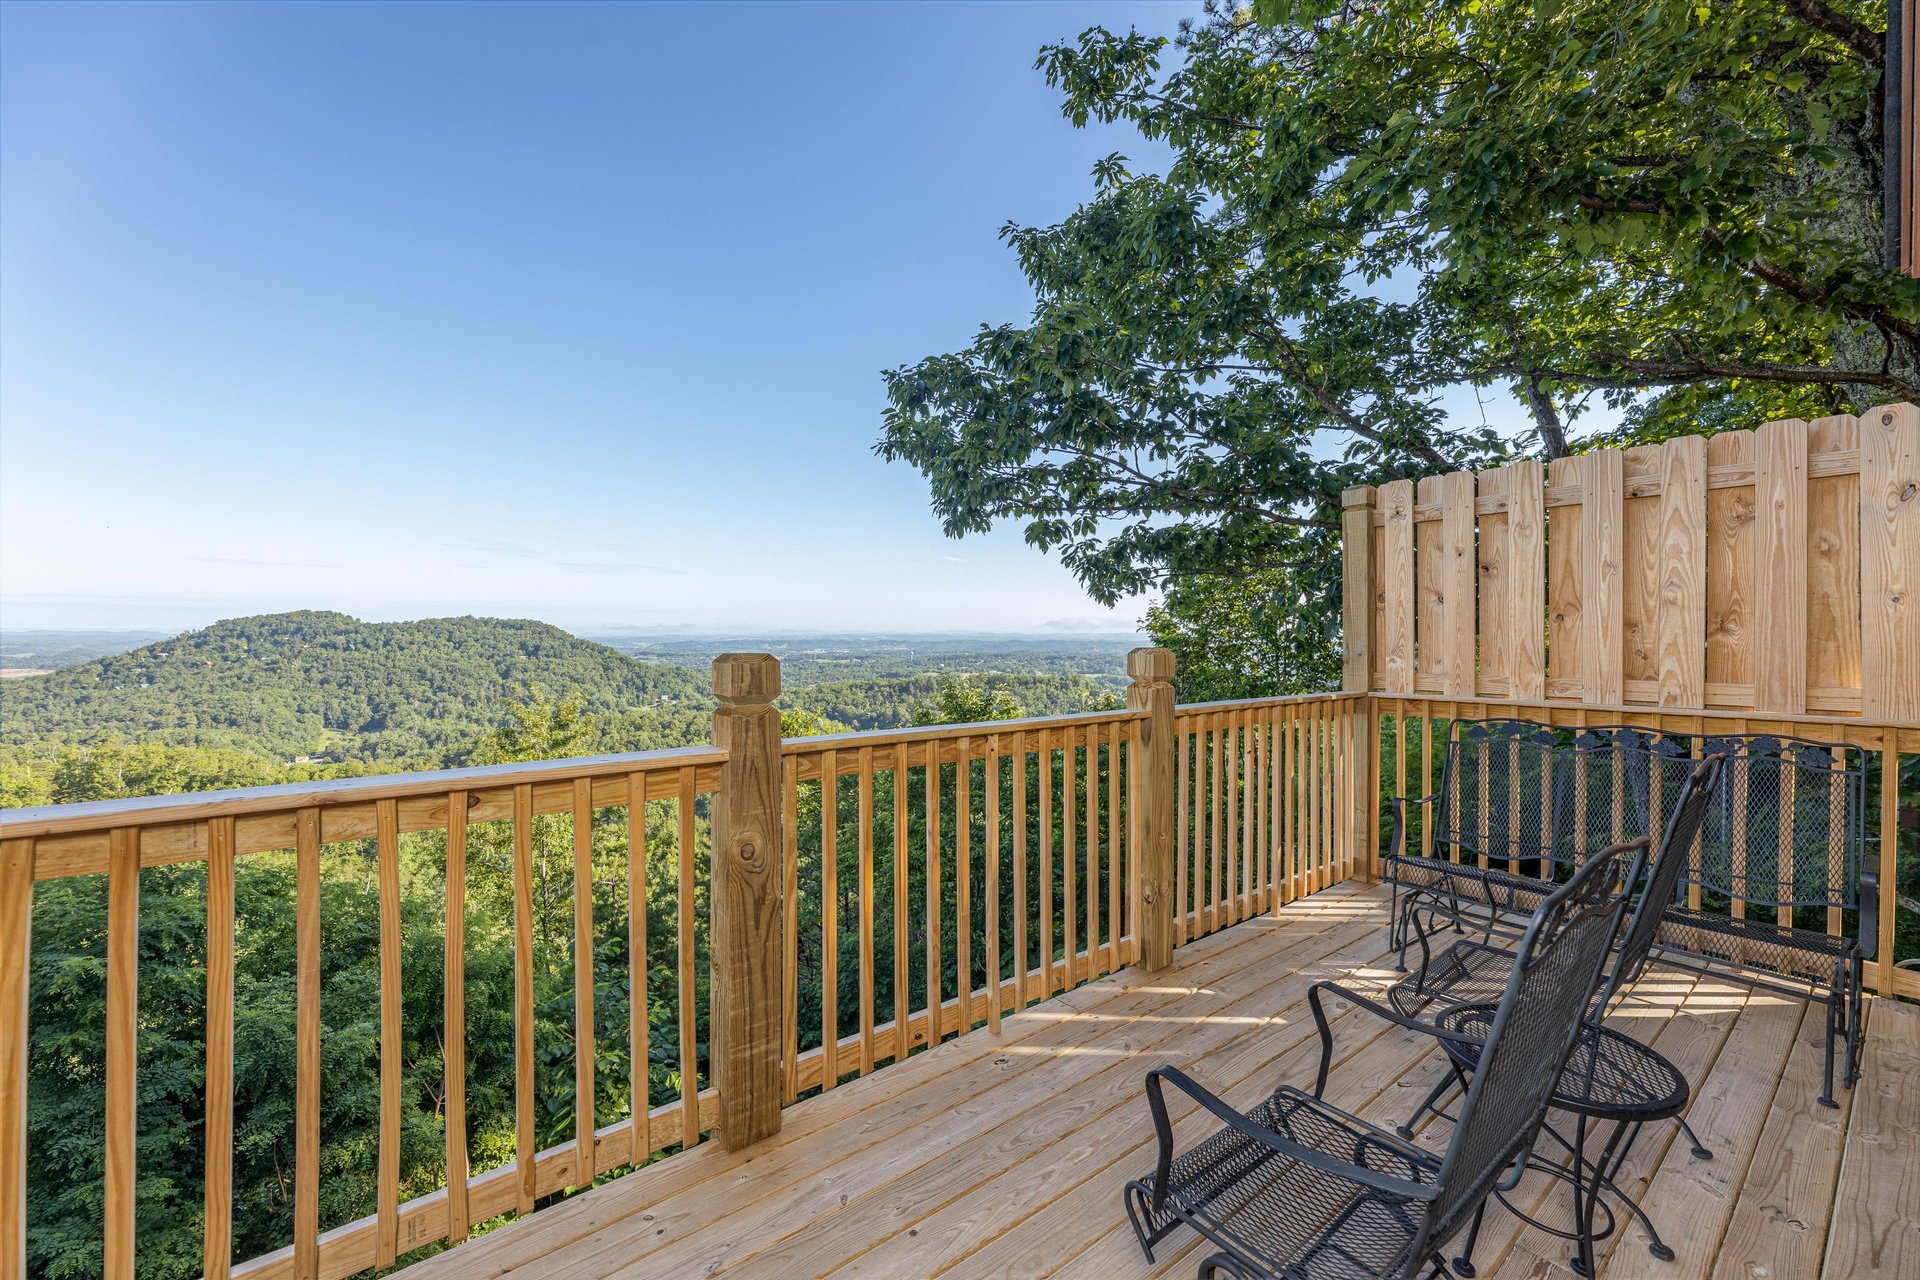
[
  {"x": 1331, "y": 695},
  {"x": 195, "y": 806},
  {"x": 946, "y": 732},
  {"x": 1496, "y": 708}
]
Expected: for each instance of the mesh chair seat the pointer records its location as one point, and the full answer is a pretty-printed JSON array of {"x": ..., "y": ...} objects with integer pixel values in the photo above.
[
  {"x": 1267, "y": 1205},
  {"x": 1489, "y": 886},
  {"x": 1799, "y": 954},
  {"x": 1466, "y": 973}
]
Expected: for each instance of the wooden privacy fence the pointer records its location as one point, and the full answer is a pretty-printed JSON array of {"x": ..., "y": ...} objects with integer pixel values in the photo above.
[
  {"x": 1761, "y": 581},
  {"x": 1775, "y": 570},
  {"x": 924, "y": 881}
]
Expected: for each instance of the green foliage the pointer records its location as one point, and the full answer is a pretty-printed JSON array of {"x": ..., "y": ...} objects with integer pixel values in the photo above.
[
  {"x": 892, "y": 703},
  {"x": 1251, "y": 637},
  {"x": 1668, "y": 206},
  {"x": 315, "y": 684},
  {"x": 966, "y": 700}
]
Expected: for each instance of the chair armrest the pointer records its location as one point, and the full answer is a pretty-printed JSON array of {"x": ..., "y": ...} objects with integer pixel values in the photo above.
[
  {"x": 1387, "y": 1012},
  {"x": 1870, "y": 905},
  {"x": 1156, "y": 1099},
  {"x": 1398, "y": 845}
]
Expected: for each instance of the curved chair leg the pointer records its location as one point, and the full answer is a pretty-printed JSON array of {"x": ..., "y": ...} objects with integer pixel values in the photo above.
[
  {"x": 1223, "y": 1264},
  {"x": 1700, "y": 1150},
  {"x": 1428, "y": 1103},
  {"x": 1833, "y": 1030},
  {"x": 1463, "y": 1265}
]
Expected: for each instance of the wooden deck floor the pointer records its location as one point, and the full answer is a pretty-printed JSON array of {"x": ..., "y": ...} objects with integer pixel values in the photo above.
[{"x": 1004, "y": 1156}]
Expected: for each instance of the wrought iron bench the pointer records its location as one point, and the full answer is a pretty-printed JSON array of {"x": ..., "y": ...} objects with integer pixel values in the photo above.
[
  {"x": 1521, "y": 803},
  {"x": 1297, "y": 1188}
]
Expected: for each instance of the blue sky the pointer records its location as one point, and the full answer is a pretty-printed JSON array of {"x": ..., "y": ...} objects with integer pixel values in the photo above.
[{"x": 574, "y": 312}]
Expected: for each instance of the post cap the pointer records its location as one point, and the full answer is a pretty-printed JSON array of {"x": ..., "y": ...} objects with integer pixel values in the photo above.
[
  {"x": 746, "y": 677},
  {"x": 1150, "y": 665}
]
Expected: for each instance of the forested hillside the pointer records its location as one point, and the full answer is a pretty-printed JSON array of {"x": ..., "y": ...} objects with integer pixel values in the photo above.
[{"x": 282, "y": 686}]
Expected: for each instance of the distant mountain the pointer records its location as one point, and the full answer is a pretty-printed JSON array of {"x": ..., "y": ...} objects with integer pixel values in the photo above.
[
  {"x": 324, "y": 684},
  {"x": 49, "y": 649}
]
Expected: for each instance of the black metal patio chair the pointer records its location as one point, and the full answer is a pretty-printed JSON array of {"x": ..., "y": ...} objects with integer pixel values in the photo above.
[
  {"x": 1299, "y": 1189},
  {"x": 1471, "y": 974}
]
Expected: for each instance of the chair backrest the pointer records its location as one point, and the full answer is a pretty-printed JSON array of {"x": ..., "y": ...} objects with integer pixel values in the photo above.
[
  {"x": 1789, "y": 827},
  {"x": 1679, "y": 845},
  {"x": 1497, "y": 788},
  {"x": 1556, "y": 968},
  {"x": 1620, "y": 784}
]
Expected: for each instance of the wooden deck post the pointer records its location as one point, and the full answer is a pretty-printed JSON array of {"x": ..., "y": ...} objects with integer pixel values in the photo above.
[
  {"x": 748, "y": 914},
  {"x": 1151, "y": 780}
]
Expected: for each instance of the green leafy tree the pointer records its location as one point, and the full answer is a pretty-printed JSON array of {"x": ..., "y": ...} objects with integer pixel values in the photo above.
[
  {"x": 966, "y": 700},
  {"x": 1672, "y": 208}
]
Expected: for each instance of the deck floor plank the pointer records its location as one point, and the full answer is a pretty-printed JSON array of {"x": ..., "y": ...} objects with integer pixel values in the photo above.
[
  {"x": 1003, "y": 1156},
  {"x": 1876, "y": 1207}
]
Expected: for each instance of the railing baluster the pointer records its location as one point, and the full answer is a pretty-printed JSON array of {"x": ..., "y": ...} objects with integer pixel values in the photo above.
[
  {"x": 1070, "y": 913},
  {"x": 387, "y": 1179},
  {"x": 523, "y": 997},
  {"x": 1115, "y": 830},
  {"x": 1092, "y": 737},
  {"x": 1045, "y": 754},
  {"x": 123, "y": 1029},
  {"x": 1183, "y": 747},
  {"x": 1020, "y": 870},
  {"x": 866, "y": 910},
  {"x": 16, "y": 953},
  {"x": 933, "y": 893},
  {"x": 217, "y": 1236},
  {"x": 963, "y": 882},
  {"x": 689, "y": 998},
  {"x": 306, "y": 1106},
  {"x": 639, "y": 1048},
  {"x": 991, "y": 780},
  {"x": 902, "y": 997},
  {"x": 584, "y": 1165},
  {"x": 790, "y": 925},
  {"x": 453, "y": 1052},
  {"x": 829, "y": 920},
  {"x": 1218, "y": 897}
]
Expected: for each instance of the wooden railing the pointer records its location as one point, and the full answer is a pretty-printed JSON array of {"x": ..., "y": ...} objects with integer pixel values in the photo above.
[
  {"x": 926, "y": 881},
  {"x": 1266, "y": 794},
  {"x": 299, "y": 830}
]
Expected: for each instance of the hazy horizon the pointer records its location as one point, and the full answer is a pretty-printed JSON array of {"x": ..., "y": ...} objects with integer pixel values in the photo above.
[{"x": 513, "y": 310}]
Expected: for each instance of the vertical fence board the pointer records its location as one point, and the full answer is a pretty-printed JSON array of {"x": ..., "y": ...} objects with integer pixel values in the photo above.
[
  {"x": 1526, "y": 580},
  {"x": 1730, "y": 564},
  {"x": 1780, "y": 568},
  {"x": 1833, "y": 563},
  {"x": 1641, "y": 579},
  {"x": 1496, "y": 586},
  {"x": 1890, "y": 562},
  {"x": 1602, "y": 578},
  {"x": 1356, "y": 588},
  {"x": 1396, "y": 641},
  {"x": 1567, "y": 666},
  {"x": 1680, "y": 620},
  {"x": 1459, "y": 665}
]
